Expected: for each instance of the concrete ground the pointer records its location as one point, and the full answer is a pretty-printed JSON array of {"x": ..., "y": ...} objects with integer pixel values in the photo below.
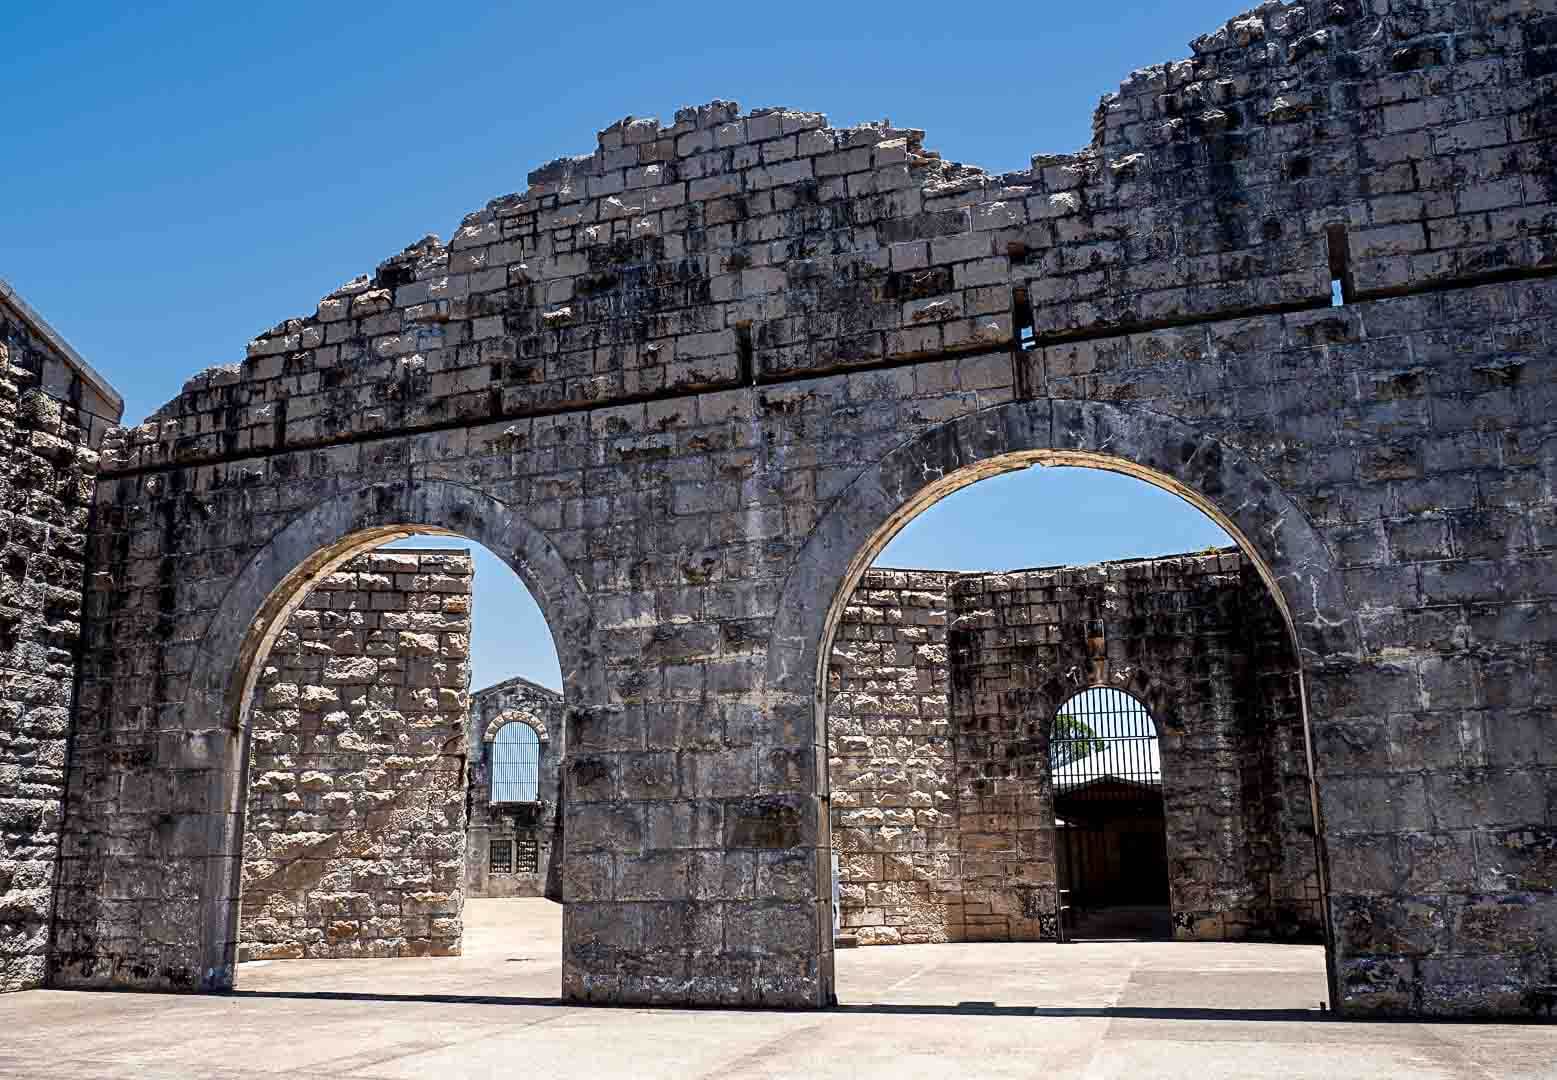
[{"x": 1095, "y": 1010}]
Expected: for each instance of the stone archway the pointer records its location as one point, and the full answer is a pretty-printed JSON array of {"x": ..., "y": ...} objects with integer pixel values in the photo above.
[
  {"x": 514, "y": 716},
  {"x": 258, "y": 603},
  {"x": 1290, "y": 556}
]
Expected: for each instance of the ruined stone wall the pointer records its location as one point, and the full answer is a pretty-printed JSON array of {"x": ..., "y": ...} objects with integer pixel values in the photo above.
[
  {"x": 52, "y": 422},
  {"x": 687, "y": 383},
  {"x": 891, "y": 766},
  {"x": 533, "y": 832},
  {"x": 1188, "y": 637},
  {"x": 943, "y": 688},
  {"x": 1307, "y": 142},
  {"x": 354, "y": 842}
]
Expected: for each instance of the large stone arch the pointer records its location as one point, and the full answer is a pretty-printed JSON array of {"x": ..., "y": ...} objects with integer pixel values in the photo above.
[
  {"x": 1269, "y": 526},
  {"x": 256, "y": 606},
  {"x": 1271, "y": 529}
]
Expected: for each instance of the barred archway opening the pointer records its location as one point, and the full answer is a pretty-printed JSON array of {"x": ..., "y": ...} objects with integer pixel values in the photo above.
[{"x": 1105, "y": 769}]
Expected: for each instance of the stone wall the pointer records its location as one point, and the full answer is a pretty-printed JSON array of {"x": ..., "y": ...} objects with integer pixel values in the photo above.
[
  {"x": 533, "y": 831},
  {"x": 688, "y": 383},
  {"x": 943, "y": 691},
  {"x": 1189, "y": 637},
  {"x": 1278, "y": 804},
  {"x": 52, "y": 420},
  {"x": 892, "y": 762},
  {"x": 354, "y": 842}
]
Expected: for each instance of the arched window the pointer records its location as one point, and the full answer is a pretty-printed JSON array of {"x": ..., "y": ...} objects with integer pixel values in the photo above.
[
  {"x": 1104, "y": 733},
  {"x": 516, "y": 764}
]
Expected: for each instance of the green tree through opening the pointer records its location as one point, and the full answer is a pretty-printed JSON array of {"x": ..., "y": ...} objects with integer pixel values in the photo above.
[{"x": 1073, "y": 739}]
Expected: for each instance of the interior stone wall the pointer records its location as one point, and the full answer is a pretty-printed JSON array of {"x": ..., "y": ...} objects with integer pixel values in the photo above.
[
  {"x": 52, "y": 422},
  {"x": 1278, "y": 789},
  {"x": 891, "y": 762},
  {"x": 537, "y": 826},
  {"x": 354, "y": 840},
  {"x": 1178, "y": 633},
  {"x": 943, "y": 691}
]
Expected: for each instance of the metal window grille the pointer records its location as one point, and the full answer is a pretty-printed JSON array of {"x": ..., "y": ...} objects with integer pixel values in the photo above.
[
  {"x": 1104, "y": 743},
  {"x": 526, "y": 853},
  {"x": 516, "y": 764},
  {"x": 501, "y": 860}
]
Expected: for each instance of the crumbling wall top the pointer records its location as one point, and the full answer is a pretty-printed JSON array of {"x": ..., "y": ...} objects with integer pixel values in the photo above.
[{"x": 1391, "y": 147}]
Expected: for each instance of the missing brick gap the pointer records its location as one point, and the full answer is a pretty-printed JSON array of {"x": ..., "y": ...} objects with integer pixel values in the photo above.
[
  {"x": 745, "y": 354},
  {"x": 1022, "y": 320},
  {"x": 1341, "y": 288}
]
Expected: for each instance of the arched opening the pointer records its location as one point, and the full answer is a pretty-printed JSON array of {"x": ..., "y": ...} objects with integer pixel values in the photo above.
[
  {"x": 1105, "y": 766},
  {"x": 231, "y": 673},
  {"x": 386, "y": 809},
  {"x": 516, "y": 797},
  {"x": 976, "y": 701}
]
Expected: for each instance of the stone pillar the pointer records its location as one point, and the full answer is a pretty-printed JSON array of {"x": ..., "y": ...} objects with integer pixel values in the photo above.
[{"x": 52, "y": 419}]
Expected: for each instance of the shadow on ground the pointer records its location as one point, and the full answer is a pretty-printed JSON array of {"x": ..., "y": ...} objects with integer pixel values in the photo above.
[{"x": 961, "y": 1008}]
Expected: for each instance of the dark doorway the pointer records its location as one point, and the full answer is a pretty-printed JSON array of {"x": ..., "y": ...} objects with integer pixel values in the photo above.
[{"x": 1112, "y": 852}]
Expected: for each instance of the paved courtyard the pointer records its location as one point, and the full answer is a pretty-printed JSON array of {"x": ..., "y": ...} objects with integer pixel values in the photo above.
[{"x": 1095, "y": 1010}]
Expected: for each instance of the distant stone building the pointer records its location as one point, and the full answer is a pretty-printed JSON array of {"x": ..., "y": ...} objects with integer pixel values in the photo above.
[{"x": 516, "y": 751}]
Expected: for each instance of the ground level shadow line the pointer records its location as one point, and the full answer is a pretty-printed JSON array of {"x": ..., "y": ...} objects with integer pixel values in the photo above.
[
  {"x": 967, "y": 1008},
  {"x": 970, "y": 1008}
]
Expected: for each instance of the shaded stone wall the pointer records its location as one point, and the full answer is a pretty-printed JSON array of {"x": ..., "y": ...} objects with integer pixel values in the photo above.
[
  {"x": 687, "y": 383},
  {"x": 1277, "y": 785},
  {"x": 52, "y": 422},
  {"x": 1187, "y": 636},
  {"x": 354, "y": 842},
  {"x": 891, "y": 762},
  {"x": 532, "y": 831},
  {"x": 944, "y": 687}
]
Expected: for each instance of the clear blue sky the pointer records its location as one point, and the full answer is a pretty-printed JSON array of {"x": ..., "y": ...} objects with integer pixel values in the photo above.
[{"x": 181, "y": 176}]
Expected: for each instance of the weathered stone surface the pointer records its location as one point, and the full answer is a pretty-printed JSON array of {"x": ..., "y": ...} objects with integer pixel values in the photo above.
[
  {"x": 354, "y": 836},
  {"x": 695, "y": 381},
  {"x": 892, "y": 762},
  {"x": 942, "y": 692},
  {"x": 53, "y": 417}
]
